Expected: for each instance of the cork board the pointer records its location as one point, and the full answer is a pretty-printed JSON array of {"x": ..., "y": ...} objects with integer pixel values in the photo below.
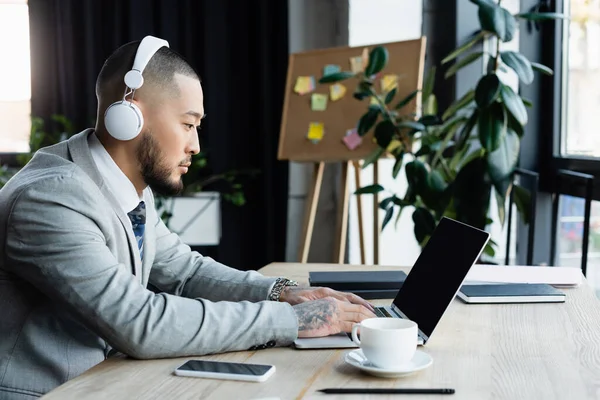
[{"x": 406, "y": 60}]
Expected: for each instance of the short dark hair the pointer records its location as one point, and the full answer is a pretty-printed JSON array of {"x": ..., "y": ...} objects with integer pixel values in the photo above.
[{"x": 159, "y": 72}]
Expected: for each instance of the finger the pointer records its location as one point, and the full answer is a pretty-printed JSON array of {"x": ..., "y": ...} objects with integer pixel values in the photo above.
[
  {"x": 359, "y": 300},
  {"x": 357, "y": 316},
  {"x": 357, "y": 312}
]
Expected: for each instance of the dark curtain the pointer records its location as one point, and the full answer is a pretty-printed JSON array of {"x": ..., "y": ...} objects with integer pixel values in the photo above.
[{"x": 240, "y": 50}]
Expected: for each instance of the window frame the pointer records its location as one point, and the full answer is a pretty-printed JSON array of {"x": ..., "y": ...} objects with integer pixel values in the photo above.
[{"x": 554, "y": 38}]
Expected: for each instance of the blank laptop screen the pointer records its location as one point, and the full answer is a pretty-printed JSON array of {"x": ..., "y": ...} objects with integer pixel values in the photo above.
[{"x": 439, "y": 272}]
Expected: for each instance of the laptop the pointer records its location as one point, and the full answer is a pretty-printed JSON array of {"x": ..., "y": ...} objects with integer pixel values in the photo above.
[{"x": 431, "y": 285}]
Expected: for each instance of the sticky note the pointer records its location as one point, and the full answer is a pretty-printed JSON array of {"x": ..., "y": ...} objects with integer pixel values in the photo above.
[
  {"x": 352, "y": 139},
  {"x": 331, "y": 69},
  {"x": 318, "y": 102},
  {"x": 389, "y": 82},
  {"x": 316, "y": 130},
  {"x": 356, "y": 64},
  {"x": 337, "y": 91},
  {"x": 304, "y": 84}
]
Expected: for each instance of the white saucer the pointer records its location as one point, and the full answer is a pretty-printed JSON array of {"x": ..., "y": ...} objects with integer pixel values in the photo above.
[{"x": 420, "y": 361}]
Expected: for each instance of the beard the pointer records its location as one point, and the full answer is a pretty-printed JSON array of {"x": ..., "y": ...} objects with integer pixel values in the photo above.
[{"x": 155, "y": 169}]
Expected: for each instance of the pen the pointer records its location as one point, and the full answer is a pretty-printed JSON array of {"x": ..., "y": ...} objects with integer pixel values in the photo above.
[{"x": 386, "y": 391}]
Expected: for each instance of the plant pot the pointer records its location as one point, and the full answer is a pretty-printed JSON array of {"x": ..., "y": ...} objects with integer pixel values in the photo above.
[{"x": 197, "y": 218}]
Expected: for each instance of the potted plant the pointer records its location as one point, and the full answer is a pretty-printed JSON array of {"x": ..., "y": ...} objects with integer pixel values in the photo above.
[
  {"x": 456, "y": 159},
  {"x": 194, "y": 214}
]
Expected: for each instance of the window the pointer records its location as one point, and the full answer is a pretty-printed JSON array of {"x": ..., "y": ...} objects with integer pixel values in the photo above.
[
  {"x": 15, "y": 76},
  {"x": 581, "y": 79}
]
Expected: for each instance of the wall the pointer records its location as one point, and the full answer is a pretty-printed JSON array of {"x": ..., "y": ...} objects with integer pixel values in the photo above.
[{"x": 314, "y": 24}]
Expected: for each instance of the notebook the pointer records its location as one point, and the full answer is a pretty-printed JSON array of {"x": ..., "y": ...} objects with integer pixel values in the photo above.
[
  {"x": 357, "y": 280},
  {"x": 510, "y": 293}
]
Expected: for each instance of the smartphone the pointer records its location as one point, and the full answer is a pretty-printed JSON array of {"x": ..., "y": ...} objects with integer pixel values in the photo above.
[{"x": 226, "y": 370}]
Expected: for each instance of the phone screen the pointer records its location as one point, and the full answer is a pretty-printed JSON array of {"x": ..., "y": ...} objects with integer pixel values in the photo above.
[{"x": 225, "y": 367}]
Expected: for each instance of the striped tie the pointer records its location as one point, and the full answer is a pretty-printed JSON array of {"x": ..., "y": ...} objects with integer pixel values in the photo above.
[{"x": 138, "y": 221}]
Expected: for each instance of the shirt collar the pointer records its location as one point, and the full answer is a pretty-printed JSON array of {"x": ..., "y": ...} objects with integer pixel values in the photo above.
[{"x": 118, "y": 183}]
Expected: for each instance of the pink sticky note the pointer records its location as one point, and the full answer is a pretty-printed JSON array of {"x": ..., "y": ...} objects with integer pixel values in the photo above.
[{"x": 352, "y": 139}]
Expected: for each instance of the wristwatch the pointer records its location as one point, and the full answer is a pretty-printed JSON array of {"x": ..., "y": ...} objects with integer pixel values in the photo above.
[{"x": 280, "y": 284}]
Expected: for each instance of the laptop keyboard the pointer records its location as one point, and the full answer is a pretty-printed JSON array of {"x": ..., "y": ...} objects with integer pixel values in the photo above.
[{"x": 382, "y": 312}]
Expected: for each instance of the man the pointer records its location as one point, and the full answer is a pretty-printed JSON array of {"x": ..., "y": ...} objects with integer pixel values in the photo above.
[{"x": 81, "y": 241}]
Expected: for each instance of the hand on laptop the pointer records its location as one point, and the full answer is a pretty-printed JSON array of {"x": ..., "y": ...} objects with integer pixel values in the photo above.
[
  {"x": 298, "y": 294},
  {"x": 328, "y": 316}
]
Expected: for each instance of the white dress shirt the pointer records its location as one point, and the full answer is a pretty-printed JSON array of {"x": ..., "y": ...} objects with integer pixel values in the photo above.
[{"x": 118, "y": 183}]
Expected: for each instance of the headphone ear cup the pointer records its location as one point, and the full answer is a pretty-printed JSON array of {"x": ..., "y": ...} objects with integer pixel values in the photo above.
[{"x": 123, "y": 120}]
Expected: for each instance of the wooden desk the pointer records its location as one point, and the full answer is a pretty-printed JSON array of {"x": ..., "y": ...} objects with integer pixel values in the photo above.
[{"x": 524, "y": 351}]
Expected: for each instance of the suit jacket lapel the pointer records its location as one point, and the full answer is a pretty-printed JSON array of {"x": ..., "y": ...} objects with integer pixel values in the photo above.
[{"x": 80, "y": 154}]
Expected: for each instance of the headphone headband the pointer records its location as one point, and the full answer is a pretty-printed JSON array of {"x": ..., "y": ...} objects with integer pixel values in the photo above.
[{"x": 148, "y": 46}]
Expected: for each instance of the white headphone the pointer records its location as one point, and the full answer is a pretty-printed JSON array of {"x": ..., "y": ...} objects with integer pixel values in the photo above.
[{"x": 124, "y": 120}]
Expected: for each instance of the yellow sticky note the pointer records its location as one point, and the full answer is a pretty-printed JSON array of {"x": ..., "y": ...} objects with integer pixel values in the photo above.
[
  {"x": 316, "y": 130},
  {"x": 304, "y": 84},
  {"x": 389, "y": 82},
  {"x": 337, "y": 91},
  {"x": 318, "y": 102},
  {"x": 356, "y": 64}
]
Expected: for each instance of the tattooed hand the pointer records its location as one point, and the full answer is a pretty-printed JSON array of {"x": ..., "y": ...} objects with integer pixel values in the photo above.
[
  {"x": 298, "y": 294},
  {"x": 328, "y": 316}
]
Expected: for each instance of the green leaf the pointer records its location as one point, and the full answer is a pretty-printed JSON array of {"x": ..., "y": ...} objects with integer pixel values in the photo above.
[
  {"x": 390, "y": 96},
  {"x": 466, "y": 130},
  {"x": 367, "y": 121},
  {"x": 497, "y": 20},
  {"x": 492, "y": 126},
  {"x": 377, "y": 60},
  {"x": 527, "y": 102},
  {"x": 336, "y": 77},
  {"x": 487, "y": 90},
  {"x": 514, "y": 125},
  {"x": 406, "y": 100},
  {"x": 388, "y": 216},
  {"x": 541, "y": 16},
  {"x": 429, "y": 82},
  {"x": 457, "y": 157},
  {"x": 412, "y": 125},
  {"x": 384, "y": 132},
  {"x": 502, "y": 162},
  {"x": 478, "y": 153},
  {"x": 458, "y": 51},
  {"x": 471, "y": 197},
  {"x": 489, "y": 250},
  {"x": 424, "y": 223},
  {"x": 520, "y": 64},
  {"x": 541, "y": 68},
  {"x": 514, "y": 104},
  {"x": 501, "y": 204},
  {"x": 430, "y": 120},
  {"x": 471, "y": 58},
  {"x": 522, "y": 199},
  {"x": 459, "y": 104},
  {"x": 416, "y": 175},
  {"x": 387, "y": 202},
  {"x": 398, "y": 164},
  {"x": 370, "y": 189},
  {"x": 430, "y": 106},
  {"x": 483, "y": 2},
  {"x": 374, "y": 156}
]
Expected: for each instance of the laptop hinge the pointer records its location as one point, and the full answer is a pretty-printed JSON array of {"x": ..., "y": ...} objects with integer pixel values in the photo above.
[{"x": 400, "y": 314}]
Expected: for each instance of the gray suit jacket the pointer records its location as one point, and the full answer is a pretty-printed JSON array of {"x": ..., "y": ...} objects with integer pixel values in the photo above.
[{"x": 72, "y": 286}]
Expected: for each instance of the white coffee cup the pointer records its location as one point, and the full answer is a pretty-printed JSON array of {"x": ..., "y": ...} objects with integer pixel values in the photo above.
[{"x": 387, "y": 342}]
